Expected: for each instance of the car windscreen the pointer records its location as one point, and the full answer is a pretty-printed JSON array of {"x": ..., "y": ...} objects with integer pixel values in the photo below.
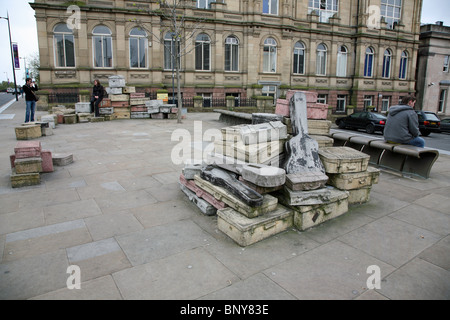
[
  {"x": 378, "y": 116},
  {"x": 431, "y": 117}
]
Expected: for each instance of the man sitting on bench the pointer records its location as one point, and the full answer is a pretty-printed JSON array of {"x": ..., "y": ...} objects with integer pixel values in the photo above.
[{"x": 402, "y": 124}]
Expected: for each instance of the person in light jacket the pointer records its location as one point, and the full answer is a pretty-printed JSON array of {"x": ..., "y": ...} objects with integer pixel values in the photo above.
[{"x": 402, "y": 124}]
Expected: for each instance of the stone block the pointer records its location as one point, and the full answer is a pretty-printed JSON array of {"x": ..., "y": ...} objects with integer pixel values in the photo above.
[
  {"x": 258, "y": 153},
  {"x": 47, "y": 131},
  {"x": 116, "y": 81},
  {"x": 120, "y": 104},
  {"x": 174, "y": 110},
  {"x": 245, "y": 231},
  {"x": 137, "y": 101},
  {"x": 323, "y": 141},
  {"x": 27, "y": 149},
  {"x": 343, "y": 160},
  {"x": 47, "y": 161},
  {"x": 27, "y": 132},
  {"x": 232, "y": 133},
  {"x": 83, "y": 107},
  {"x": 263, "y": 132},
  {"x": 311, "y": 97},
  {"x": 60, "y": 118},
  {"x": 12, "y": 158},
  {"x": 28, "y": 165},
  {"x": 110, "y": 91},
  {"x": 305, "y": 181},
  {"x": 106, "y": 110},
  {"x": 203, "y": 205},
  {"x": 282, "y": 107},
  {"x": 96, "y": 119},
  {"x": 172, "y": 116},
  {"x": 159, "y": 115},
  {"x": 25, "y": 179},
  {"x": 139, "y": 108},
  {"x": 319, "y": 127},
  {"x": 260, "y": 190},
  {"x": 359, "y": 196},
  {"x": 310, "y": 197},
  {"x": 128, "y": 89},
  {"x": 70, "y": 119},
  {"x": 356, "y": 180},
  {"x": 265, "y": 117},
  {"x": 83, "y": 117},
  {"x": 62, "y": 159},
  {"x": 105, "y": 103},
  {"x": 122, "y": 113},
  {"x": 306, "y": 217},
  {"x": 119, "y": 97},
  {"x": 139, "y": 115},
  {"x": 137, "y": 95},
  {"x": 317, "y": 111},
  {"x": 191, "y": 169},
  {"x": 154, "y": 103},
  {"x": 190, "y": 184},
  {"x": 269, "y": 202},
  {"x": 262, "y": 175}
]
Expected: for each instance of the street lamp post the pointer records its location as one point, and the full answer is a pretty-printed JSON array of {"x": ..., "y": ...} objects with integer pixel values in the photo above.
[{"x": 12, "y": 57}]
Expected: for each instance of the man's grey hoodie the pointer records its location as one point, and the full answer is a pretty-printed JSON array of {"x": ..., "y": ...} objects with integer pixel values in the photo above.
[{"x": 402, "y": 124}]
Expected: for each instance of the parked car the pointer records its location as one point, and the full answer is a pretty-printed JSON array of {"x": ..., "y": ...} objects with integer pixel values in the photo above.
[
  {"x": 428, "y": 122},
  {"x": 445, "y": 125},
  {"x": 369, "y": 121}
]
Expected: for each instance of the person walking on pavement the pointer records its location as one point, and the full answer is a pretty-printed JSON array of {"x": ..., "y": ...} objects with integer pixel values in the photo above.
[
  {"x": 30, "y": 99},
  {"x": 97, "y": 97},
  {"x": 402, "y": 124}
]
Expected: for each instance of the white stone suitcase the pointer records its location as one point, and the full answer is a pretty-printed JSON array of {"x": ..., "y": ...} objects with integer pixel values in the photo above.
[
  {"x": 343, "y": 160},
  {"x": 269, "y": 202},
  {"x": 359, "y": 196},
  {"x": 204, "y": 206},
  {"x": 306, "y": 217},
  {"x": 356, "y": 180},
  {"x": 245, "y": 231}
]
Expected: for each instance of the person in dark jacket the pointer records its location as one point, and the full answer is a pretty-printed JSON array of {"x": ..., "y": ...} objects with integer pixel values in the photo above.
[
  {"x": 402, "y": 124},
  {"x": 30, "y": 99},
  {"x": 97, "y": 97}
]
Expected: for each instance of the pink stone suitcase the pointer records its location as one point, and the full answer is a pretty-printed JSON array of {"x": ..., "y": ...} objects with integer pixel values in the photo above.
[{"x": 190, "y": 184}]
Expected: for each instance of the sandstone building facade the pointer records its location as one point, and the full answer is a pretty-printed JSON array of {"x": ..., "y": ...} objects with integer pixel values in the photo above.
[{"x": 352, "y": 52}]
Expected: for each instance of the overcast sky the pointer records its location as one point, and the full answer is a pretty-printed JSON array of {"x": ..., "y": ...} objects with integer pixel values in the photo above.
[{"x": 23, "y": 31}]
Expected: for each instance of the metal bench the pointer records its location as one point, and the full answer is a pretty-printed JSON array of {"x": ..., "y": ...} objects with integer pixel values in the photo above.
[{"x": 409, "y": 160}]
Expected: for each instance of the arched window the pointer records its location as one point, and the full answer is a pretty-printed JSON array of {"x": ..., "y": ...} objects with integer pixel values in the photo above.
[
  {"x": 138, "y": 48},
  {"x": 299, "y": 58},
  {"x": 171, "y": 51},
  {"x": 270, "y": 55},
  {"x": 231, "y": 54},
  {"x": 102, "y": 44},
  {"x": 321, "y": 61},
  {"x": 387, "y": 58},
  {"x": 341, "y": 65},
  {"x": 64, "y": 46},
  {"x": 368, "y": 63},
  {"x": 202, "y": 52},
  {"x": 403, "y": 65}
]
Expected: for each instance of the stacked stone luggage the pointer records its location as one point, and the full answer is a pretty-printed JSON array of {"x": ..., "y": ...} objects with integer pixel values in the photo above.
[
  {"x": 348, "y": 169},
  {"x": 318, "y": 125},
  {"x": 27, "y": 162}
]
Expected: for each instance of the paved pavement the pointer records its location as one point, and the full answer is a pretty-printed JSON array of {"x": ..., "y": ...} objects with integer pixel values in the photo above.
[{"x": 117, "y": 213}]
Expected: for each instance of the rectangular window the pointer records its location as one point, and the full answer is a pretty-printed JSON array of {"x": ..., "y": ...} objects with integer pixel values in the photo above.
[
  {"x": 65, "y": 50},
  {"x": 341, "y": 103},
  {"x": 446, "y": 63},
  {"x": 231, "y": 55},
  {"x": 322, "y": 98},
  {"x": 270, "y": 7},
  {"x": 385, "y": 103},
  {"x": 204, "y": 4},
  {"x": 391, "y": 12},
  {"x": 442, "y": 100},
  {"x": 102, "y": 52},
  {"x": 324, "y": 8},
  {"x": 368, "y": 101},
  {"x": 138, "y": 53}
]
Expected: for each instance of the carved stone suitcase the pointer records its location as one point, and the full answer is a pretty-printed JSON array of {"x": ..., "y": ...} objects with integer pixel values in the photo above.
[
  {"x": 358, "y": 196},
  {"x": 306, "y": 217},
  {"x": 343, "y": 160},
  {"x": 304, "y": 181},
  {"x": 25, "y": 179},
  {"x": 245, "y": 231},
  {"x": 311, "y": 197},
  {"x": 351, "y": 181},
  {"x": 259, "y": 152},
  {"x": 269, "y": 202},
  {"x": 203, "y": 205}
]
